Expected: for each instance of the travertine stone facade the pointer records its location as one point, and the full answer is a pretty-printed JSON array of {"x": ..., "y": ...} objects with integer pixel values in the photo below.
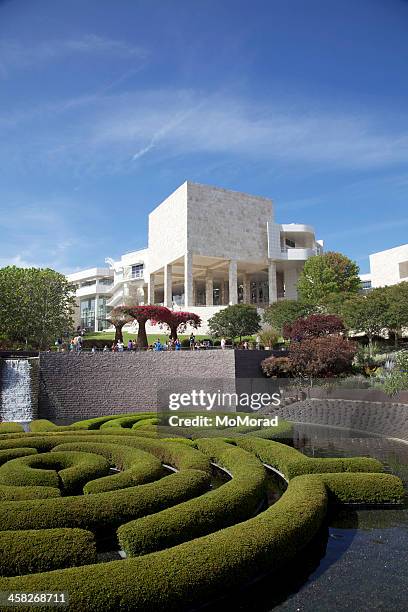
[{"x": 209, "y": 247}]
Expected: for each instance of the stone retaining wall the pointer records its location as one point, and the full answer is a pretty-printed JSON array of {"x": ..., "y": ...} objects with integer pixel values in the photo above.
[
  {"x": 385, "y": 418},
  {"x": 77, "y": 386}
]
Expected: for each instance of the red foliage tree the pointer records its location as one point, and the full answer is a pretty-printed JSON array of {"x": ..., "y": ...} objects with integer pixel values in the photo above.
[
  {"x": 323, "y": 356},
  {"x": 142, "y": 314},
  {"x": 118, "y": 317},
  {"x": 314, "y": 326},
  {"x": 178, "y": 321}
]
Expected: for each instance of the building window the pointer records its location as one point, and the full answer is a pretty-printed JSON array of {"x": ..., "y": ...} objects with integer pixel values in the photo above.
[
  {"x": 88, "y": 283},
  {"x": 87, "y": 310},
  {"x": 106, "y": 281},
  {"x": 137, "y": 271},
  {"x": 365, "y": 285},
  {"x": 291, "y": 244},
  {"x": 403, "y": 269}
]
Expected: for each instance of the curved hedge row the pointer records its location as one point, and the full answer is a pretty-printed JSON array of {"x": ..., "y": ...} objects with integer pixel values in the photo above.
[
  {"x": 103, "y": 510},
  {"x": 236, "y": 501},
  {"x": 137, "y": 466},
  {"x": 187, "y": 543},
  {"x": 186, "y": 575},
  {"x": 70, "y": 471},
  {"x": 31, "y": 551}
]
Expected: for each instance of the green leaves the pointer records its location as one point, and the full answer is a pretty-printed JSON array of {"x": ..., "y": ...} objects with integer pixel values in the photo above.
[
  {"x": 328, "y": 274},
  {"x": 235, "y": 321},
  {"x": 36, "y": 306}
]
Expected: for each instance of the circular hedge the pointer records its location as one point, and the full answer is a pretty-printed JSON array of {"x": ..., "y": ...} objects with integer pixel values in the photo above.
[{"x": 64, "y": 489}]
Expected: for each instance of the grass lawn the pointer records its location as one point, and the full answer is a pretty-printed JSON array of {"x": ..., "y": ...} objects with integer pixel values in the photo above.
[{"x": 109, "y": 337}]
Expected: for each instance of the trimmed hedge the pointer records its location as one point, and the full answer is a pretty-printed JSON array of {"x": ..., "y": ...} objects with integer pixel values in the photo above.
[
  {"x": 138, "y": 467},
  {"x": 186, "y": 575},
  {"x": 104, "y": 510},
  {"x": 31, "y": 551},
  {"x": 293, "y": 463},
  {"x": 13, "y": 453},
  {"x": 72, "y": 470},
  {"x": 363, "y": 488},
  {"x": 127, "y": 421},
  {"x": 173, "y": 453},
  {"x": 235, "y": 501},
  {"x": 11, "y": 428},
  {"x": 12, "y": 493}
]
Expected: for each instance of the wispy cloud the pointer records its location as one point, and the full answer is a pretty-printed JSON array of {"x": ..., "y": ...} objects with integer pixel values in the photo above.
[
  {"x": 111, "y": 133},
  {"x": 177, "y": 121},
  {"x": 16, "y": 55}
]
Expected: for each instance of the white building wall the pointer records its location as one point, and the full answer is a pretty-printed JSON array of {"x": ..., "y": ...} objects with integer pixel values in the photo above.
[
  {"x": 389, "y": 267},
  {"x": 168, "y": 230}
]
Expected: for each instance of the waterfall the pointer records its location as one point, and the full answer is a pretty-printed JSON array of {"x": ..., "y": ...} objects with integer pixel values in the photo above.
[{"x": 16, "y": 397}]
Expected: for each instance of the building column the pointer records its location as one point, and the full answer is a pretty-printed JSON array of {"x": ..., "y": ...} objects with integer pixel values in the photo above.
[
  {"x": 290, "y": 280},
  {"x": 150, "y": 289},
  {"x": 272, "y": 285},
  {"x": 194, "y": 292},
  {"x": 188, "y": 279},
  {"x": 96, "y": 314},
  {"x": 246, "y": 283},
  {"x": 168, "y": 285},
  {"x": 232, "y": 284},
  {"x": 209, "y": 289}
]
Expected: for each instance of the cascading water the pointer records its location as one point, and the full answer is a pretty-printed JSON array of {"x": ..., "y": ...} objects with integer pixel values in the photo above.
[{"x": 16, "y": 397}]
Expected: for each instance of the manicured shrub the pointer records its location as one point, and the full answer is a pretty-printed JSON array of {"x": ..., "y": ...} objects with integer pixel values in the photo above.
[
  {"x": 137, "y": 466},
  {"x": 30, "y": 551},
  {"x": 72, "y": 470},
  {"x": 291, "y": 462},
  {"x": 127, "y": 421},
  {"x": 184, "y": 576},
  {"x": 313, "y": 326},
  {"x": 11, "y": 428},
  {"x": 13, "y": 453},
  {"x": 13, "y": 493},
  {"x": 363, "y": 488},
  {"x": 235, "y": 501},
  {"x": 103, "y": 510}
]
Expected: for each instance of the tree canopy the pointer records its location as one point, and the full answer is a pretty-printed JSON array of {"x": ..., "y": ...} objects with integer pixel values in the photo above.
[
  {"x": 36, "y": 306},
  {"x": 327, "y": 274},
  {"x": 314, "y": 326},
  {"x": 235, "y": 321},
  {"x": 285, "y": 312},
  {"x": 118, "y": 317},
  {"x": 367, "y": 313}
]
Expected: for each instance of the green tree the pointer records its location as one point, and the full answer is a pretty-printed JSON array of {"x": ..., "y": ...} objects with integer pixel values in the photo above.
[
  {"x": 235, "y": 321},
  {"x": 285, "y": 312},
  {"x": 326, "y": 275},
  {"x": 36, "y": 306},
  {"x": 397, "y": 311},
  {"x": 367, "y": 314},
  {"x": 118, "y": 317}
]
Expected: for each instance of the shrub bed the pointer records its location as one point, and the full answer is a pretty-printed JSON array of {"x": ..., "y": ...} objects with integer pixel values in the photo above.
[
  {"x": 30, "y": 551},
  {"x": 184, "y": 576},
  {"x": 11, "y": 428},
  {"x": 138, "y": 467},
  {"x": 235, "y": 501}
]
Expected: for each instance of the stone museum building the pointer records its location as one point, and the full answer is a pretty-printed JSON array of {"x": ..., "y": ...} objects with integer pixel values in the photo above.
[{"x": 207, "y": 248}]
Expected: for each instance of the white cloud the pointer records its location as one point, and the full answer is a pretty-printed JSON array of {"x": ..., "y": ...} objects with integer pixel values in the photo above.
[
  {"x": 14, "y": 54},
  {"x": 179, "y": 122}
]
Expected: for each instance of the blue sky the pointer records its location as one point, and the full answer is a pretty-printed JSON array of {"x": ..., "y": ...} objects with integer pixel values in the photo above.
[{"x": 106, "y": 107}]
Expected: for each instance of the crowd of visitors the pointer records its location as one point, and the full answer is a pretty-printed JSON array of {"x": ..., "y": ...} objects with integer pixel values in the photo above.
[{"x": 75, "y": 344}]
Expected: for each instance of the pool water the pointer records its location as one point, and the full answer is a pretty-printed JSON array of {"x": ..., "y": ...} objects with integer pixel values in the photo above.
[{"x": 359, "y": 560}]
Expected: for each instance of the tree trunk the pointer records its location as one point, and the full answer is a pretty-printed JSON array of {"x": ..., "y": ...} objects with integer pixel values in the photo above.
[
  {"x": 118, "y": 333},
  {"x": 395, "y": 339},
  {"x": 370, "y": 345},
  {"x": 141, "y": 335},
  {"x": 173, "y": 332}
]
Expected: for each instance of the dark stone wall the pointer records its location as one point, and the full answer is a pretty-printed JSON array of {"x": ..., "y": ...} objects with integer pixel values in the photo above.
[
  {"x": 384, "y": 418},
  {"x": 78, "y": 386}
]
